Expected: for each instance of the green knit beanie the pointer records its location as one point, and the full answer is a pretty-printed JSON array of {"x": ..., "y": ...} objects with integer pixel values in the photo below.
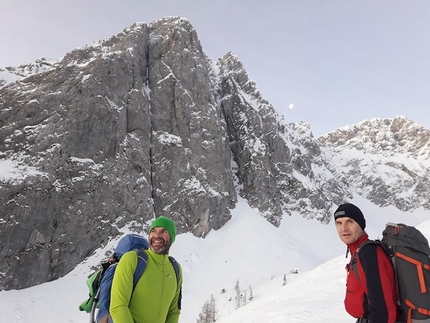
[{"x": 167, "y": 224}]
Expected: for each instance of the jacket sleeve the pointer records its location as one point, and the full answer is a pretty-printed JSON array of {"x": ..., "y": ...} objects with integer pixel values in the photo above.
[
  {"x": 122, "y": 288},
  {"x": 175, "y": 305},
  {"x": 378, "y": 275}
]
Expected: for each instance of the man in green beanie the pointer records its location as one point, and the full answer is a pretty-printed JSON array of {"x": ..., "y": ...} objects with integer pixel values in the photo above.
[
  {"x": 162, "y": 234},
  {"x": 157, "y": 295}
]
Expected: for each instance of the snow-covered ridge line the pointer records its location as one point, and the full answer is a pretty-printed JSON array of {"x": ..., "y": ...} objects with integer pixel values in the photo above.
[{"x": 10, "y": 74}]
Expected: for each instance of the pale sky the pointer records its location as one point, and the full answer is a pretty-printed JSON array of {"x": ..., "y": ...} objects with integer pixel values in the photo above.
[{"x": 336, "y": 62}]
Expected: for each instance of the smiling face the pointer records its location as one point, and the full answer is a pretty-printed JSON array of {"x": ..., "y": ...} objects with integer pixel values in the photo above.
[
  {"x": 348, "y": 230},
  {"x": 159, "y": 240}
]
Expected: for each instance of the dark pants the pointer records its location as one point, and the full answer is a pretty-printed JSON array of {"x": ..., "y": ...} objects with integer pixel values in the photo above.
[{"x": 362, "y": 320}]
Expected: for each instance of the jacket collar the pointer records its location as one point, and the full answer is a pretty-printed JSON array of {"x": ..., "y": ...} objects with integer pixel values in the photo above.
[
  {"x": 158, "y": 257},
  {"x": 354, "y": 246}
]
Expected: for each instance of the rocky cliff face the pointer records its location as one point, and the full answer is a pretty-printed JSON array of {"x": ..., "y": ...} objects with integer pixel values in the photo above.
[
  {"x": 384, "y": 160},
  {"x": 275, "y": 161},
  {"x": 119, "y": 132},
  {"x": 143, "y": 124}
]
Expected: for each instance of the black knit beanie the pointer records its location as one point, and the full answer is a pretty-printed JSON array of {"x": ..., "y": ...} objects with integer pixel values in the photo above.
[{"x": 350, "y": 211}]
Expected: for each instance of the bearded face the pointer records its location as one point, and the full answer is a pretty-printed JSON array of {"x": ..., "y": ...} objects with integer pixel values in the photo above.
[{"x": 159, "y": 240}]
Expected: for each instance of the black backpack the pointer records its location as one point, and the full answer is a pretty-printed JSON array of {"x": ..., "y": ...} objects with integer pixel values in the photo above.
[{"x": 410, "y": 254}]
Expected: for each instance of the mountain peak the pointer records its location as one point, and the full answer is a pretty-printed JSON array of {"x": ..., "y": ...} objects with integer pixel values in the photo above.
[
  {"x": 142, "y": 124},
  {"x": 11, "y": 74},
  {"x": 383, "y": 136}
]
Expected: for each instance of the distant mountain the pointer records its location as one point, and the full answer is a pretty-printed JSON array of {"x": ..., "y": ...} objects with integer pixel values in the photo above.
[
  {"x": 12, "y": 74},
  {"x": 143, "y": 123},
  {"x": 387, "y": 161}
]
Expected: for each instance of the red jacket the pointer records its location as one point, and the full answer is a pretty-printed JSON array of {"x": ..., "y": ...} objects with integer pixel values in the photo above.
[{"x": 374, "y": 295}]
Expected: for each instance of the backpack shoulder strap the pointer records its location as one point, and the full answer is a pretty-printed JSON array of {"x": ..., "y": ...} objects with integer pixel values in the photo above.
[
  {"x": 365, "y": 243},
  {"x": 142, "y": 259},
  {"x": 353, "y": 264},
  {"x": 176, "y": 267}
]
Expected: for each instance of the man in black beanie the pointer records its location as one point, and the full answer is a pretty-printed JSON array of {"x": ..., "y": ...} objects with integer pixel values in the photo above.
[{"x": 371, "y": 293}]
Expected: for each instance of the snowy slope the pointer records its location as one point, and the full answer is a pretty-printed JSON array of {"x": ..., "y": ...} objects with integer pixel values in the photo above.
[
  {"x": 249, "y": 250},
  {"x": 314, "y": 297}
]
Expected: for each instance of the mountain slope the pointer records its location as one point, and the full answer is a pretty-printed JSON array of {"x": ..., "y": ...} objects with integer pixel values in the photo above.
[
  {"x": 11, "y": 74},
  {"x": 248, "y": 250},
  {"x": 119, "y": 131},
  {"x": 316, "y": 296},
  {"x": 143, "y": 123},
  {"x": 384, "y": 160}
]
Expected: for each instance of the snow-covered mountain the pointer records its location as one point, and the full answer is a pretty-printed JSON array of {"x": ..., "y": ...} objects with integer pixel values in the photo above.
[
  {"x": 384, "y": 160},
  {"x": 315, "y": 296},
  {"x": 11, "y": 74},
  {"x": 143, "y": 123},
  {"x": 248, "y": 250}
]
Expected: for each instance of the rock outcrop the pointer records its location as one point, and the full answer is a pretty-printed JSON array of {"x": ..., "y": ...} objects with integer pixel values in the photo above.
[{"x": 144, "y": 123}]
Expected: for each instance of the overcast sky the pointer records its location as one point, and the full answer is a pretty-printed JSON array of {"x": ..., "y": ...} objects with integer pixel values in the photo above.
[{"x": 337, "y": 62}]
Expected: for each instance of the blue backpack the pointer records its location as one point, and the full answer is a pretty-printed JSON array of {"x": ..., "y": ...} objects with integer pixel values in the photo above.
[{"x": 100, "y": 282}]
